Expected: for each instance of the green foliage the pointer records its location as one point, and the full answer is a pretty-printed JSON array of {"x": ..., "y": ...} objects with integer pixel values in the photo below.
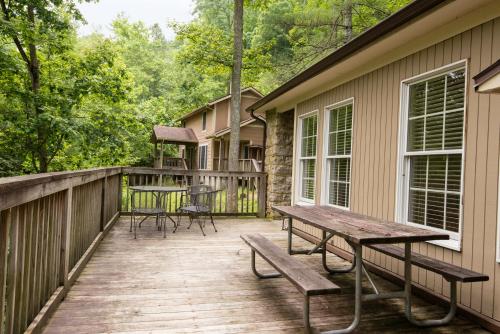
[{"x": 99, "y": 97}]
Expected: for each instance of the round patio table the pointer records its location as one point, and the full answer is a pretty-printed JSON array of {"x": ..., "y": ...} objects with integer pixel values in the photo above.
[{"x": 165, "y": 190}]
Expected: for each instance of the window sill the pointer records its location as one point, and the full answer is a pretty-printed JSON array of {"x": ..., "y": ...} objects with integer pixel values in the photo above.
[
  {"x": 450, "y": 244},
  {"x": 338, "y": 207},
  {"x": 304, "y": 203}
]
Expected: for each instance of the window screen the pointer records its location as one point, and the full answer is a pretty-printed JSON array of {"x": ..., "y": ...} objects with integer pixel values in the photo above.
[
  {"x": 309, "y": 129},
  {"x": 434, "y": 150},
  {"x": 203, "y": 157},
  {"x": 339, "y": 155}
]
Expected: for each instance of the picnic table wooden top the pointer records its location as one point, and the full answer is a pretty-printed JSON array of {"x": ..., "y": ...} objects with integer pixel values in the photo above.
[{"x": 357, "y": 228}]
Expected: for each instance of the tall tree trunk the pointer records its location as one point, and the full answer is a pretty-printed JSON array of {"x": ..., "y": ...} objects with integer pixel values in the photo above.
[
  {"x": 234, "y": 138},
  {"x": 348, "y": 20},
  {"x": 34, "y": 71}
]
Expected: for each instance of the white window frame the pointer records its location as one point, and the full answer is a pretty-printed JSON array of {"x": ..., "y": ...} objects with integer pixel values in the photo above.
[
  {"x": 403, "y": 170},
  {"x": 199, "y": 156},
  {"x": 326, "y": 132},
  {"x": 298, "y": 161}
]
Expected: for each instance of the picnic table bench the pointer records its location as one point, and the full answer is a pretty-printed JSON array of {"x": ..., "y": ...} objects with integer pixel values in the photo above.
[
  {"x": 307, "y": 281},
  {"x": 358, "y": 231}
]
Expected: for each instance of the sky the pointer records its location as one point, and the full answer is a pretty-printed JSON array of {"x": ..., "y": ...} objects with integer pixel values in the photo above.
[{"x": 100, "y": 15}]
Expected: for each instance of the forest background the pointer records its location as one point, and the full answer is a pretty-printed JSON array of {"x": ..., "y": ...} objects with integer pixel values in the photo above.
[{"x": 96, "y": 98}]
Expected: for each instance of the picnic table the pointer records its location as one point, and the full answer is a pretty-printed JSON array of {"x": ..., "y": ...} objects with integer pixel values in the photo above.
[{"x": 358, "y": 231}]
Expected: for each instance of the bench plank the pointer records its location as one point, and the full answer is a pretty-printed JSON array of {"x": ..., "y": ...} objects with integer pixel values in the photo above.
[
  {"x": 447, "y": 270},
  {"x": 306, "y": 280}
]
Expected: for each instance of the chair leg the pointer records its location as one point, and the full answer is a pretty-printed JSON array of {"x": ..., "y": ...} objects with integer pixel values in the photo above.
[
  {"x": 131, "y": 215},
  {"x": 201, "y": 227},
  {"x": 135, "y": 228},
  {"x": 164, "y": 226},
  {"x": 190, "y": 221},
  {"x": 212, "y": 220}
]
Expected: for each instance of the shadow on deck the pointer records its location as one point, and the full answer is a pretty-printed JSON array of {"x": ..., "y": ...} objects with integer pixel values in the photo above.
[{"x": 190, "y": 284}]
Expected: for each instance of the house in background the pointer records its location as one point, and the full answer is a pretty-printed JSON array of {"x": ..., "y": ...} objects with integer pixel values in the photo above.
[
  {"x": 211, "y": 126},
  {"x": 398, "y": 124}
]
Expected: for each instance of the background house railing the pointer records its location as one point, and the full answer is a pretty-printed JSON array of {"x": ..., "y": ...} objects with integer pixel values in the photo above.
[
  {"x": 251, "y": 187},
  {"x": 50, "y": 225},
  {"x": 245, "y": 165},
  {"x": 171, "y": 163}
]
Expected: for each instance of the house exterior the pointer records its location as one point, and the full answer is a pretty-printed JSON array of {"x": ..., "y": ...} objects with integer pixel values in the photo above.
[
  {"x": 211, "y": 126},
  {"x": 393, "y": 125}
]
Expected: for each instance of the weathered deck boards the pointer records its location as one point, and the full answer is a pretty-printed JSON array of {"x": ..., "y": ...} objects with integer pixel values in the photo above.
[{"x": 190, "y": 284}]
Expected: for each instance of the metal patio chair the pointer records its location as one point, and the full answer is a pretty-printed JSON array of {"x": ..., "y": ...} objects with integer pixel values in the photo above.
[
  {"x": 142, "y": 206},
  {"x": 198, "y": 203}
]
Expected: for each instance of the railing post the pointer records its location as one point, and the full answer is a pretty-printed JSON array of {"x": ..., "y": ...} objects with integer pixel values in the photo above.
[
  {"x": 103, "y": 203},
  {"x": 262, "y": 196},
  {"x": 120, "y": 192},
  {"x": 4, "y": 255},
  {"x": 66, "y": 239}
]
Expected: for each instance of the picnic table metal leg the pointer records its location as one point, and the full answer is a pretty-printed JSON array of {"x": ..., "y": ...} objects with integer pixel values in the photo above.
[
  {"x": 432, "y": 322},
  {"x": 358, "y": 251},
  {"x": 337, "y": 270}
]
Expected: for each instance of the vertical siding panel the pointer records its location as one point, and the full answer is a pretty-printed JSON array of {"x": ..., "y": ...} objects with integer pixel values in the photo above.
[
  {"x": 356, "y": 148},
  {"x": 378, "y": 153},
  {"x": 457, "y": 56},
  {"x": 494, "y": 107},
  {"x": 396, "y": 98},
  {"x": 489, "y": 245},
  {"x": 471, "y": 41},
  {"x": 362, "y": 142},
  {"x": 481, "y": 149}
]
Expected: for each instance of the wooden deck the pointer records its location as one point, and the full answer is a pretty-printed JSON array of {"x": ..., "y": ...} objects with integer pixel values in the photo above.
[{"x": 190, "y": 284}]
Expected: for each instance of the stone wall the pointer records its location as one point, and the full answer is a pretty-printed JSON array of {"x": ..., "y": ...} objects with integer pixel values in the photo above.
[{"x": 279, "y": 153}]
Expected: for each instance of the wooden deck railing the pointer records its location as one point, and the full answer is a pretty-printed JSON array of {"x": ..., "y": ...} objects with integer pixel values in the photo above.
[
  {"x": 50, "y": 225},
  {"x": 251, "y": 187},
  {"x": 245, "y": 165}
]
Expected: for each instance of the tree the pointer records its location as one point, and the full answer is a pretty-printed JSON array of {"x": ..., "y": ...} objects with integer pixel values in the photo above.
[
  {"x": 234, "y": 138},
  {"x": 28, "y": 23}
]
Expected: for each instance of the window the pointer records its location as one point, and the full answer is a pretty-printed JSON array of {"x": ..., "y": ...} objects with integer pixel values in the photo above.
[
  {"x": 204, "y": 121},
  {"x": 432, "y": 152},
  {"x": 203, "y": 156},
  {"x": 338, "y": 154},
  {"x": 246, "y": 152},
  {"x": 308, "y": 130}
]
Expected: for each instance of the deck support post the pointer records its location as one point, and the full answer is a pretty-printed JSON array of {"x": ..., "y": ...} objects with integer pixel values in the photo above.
[{"x": 66, "y": 239}]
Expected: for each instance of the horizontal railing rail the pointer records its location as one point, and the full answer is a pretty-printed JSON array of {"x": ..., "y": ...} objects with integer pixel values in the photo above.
[{"x": 241, "y": 193}]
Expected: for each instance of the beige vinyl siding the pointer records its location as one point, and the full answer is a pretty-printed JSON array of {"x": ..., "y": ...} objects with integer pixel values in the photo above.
[
  {"x": 375, "y": 144},
  {"x": 221, "y": 115},
  {"x": 252, "y": 133}
]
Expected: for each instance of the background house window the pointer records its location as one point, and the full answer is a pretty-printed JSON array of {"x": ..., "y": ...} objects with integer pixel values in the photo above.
[
  {"x": 204, "y": 120},
  {"x": 203, "y": 157},
  {"x": 338, "y": 155},
  {"x": 307, "y": 156},
  {"x": 434, "y": 151}
]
